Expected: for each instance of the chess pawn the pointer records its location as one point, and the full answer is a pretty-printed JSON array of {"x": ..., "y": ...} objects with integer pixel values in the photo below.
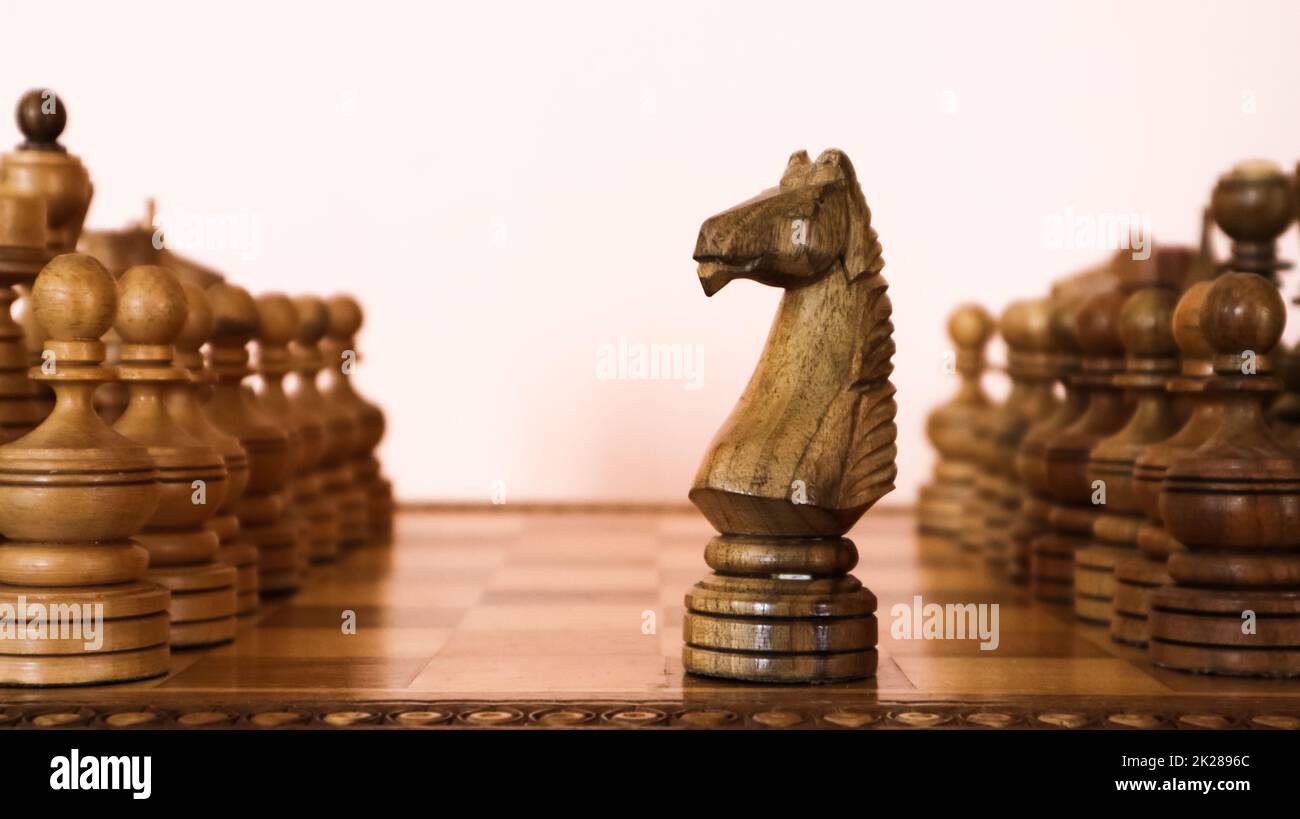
[
  {"x": 942, "y": 502},
  {"x": 236, "y": 412},
  {"x": 34, "y": 338},
  {"x": 185, "y": 406},
  {"x": 1136, "y": 575},
  {"x": 1075, "y": 502},
  {"x": 22, "y": 254},
  {"x": 73, "y": 492},
  {"x": 1026, "y": 328},
  {"x": 43, "y": 167},
  {"x": 319, "y": 448},
  {"x": 1035, "y": 501},
  {"x": 151, "y": 311},
  {"x": 345, "y": 320},
  {"x": 278, "y": 325},
  {"x": 1234, "y": 502},
  {"x": 1146, "y": 329}
]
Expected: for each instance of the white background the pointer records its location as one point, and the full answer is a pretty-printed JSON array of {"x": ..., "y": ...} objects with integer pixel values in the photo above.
[{"x": 508, "y": 186}]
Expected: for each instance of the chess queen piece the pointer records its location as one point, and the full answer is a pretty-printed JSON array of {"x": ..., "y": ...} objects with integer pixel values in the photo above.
[
  {"x": 23, "y": 253},
  {"x": 185, "y": 405},
  {"x": 41, "y": 166},
  {"x": 1234, "y": 501},
  {"x": 1026, "y": 328},
  {"x": 237, "y": 412},
  {"x": 809, "y": 446},
  {"x": 73, "y": 493},
  {"x": 321, "y": 450},
  {"x": 950, "y": 427},
  {"x": 1136, "y": 575},
  {"x": 373, "y": 491},
  {"x": 151, "y": 312}
]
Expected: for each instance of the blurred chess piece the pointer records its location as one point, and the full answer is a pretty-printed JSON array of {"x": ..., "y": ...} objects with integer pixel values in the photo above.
[
  {"x": 236, "y": 411},
  {"x": 41, "y": 166},
  {"x": 345, "y": 319},
  {"x": 187, "y": 409},
  {"x": 72, "y": 495},
  {"x": 23, "y": 253},
  {"x": 1026, "y": 328},
  {"x": 1234, "y": 502},
  {"x": 1137, "y": 574},
  {"x": 951, "y": 427},
  {"x": 151, "y": 312},
  {"x": 1035, "y": 502},
  {"x": 1074, "y": 507}
]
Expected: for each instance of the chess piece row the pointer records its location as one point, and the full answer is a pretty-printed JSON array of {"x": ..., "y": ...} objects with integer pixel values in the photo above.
[
  {"x": 153, "y": 519},
  {"x": 1159, "y": 499}
]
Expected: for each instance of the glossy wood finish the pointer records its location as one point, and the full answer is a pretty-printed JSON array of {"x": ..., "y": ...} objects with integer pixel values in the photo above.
[
  {"x": 809, "y": 446},
  {"x": 512, "y": 618}
]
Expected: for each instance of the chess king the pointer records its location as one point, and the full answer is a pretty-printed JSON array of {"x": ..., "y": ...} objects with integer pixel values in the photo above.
[{"x": 809, "y": 446}]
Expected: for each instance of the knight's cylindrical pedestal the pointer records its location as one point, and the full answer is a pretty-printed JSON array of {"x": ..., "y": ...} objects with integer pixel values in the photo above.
[{"x": 780, "y": 610}]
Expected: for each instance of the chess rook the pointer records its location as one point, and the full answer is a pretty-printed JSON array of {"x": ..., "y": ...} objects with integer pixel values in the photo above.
[
  {"x": 810, "y": 445},
  {"x": 73, "y": 492},
  {"x": 151, "y": 311}
]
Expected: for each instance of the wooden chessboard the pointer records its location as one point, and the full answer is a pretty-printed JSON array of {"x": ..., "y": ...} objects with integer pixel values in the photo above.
[{"x": 510, "y": 617}]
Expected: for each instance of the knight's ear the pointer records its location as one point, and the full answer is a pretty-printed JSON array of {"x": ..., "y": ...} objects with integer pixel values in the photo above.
[
  {"x": 835, "y": 158},
  {"x": 862, "y": 252},
  {"x": 798, "y": 159}
]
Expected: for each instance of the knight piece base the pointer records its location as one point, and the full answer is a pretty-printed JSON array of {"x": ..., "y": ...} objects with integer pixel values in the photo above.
[
  {"x": 793, "y": 616},
  {"x": 1209, "y": 631},
  {"x": 131, "y": 643}
]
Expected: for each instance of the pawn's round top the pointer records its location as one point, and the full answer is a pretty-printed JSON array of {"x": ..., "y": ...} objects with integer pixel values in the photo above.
[
  {"x": 313, "y": 319},
  {"x": 345, "y": 317},
  {"x": 74, "y": 298},
  {"x": 1188, "y": 333},
  {"x": 151, "y": 306},
  {"x": 198, "y": 318},
  {"x": 1254, "y": 202},
  {"x": 234, "y": 315},
  {"x": 1063, "y": 325},
  {"x": 1146, "y": 324},
  {"x": 1026, "y": 325},
  {"x": 1098, "y": 325},
  {"x": 41, "y": 118},
  {"x": 970, "y": 326},
  {"x": 1243, "y": 312},
  {"x": 277, "y": 320}
]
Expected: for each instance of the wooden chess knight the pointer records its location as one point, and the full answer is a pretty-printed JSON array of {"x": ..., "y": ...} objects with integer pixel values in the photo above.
[{"x": 809, "y": 446}]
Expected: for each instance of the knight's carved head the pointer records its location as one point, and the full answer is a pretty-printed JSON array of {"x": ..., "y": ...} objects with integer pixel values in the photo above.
[{"x": 791, "y": 235}]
